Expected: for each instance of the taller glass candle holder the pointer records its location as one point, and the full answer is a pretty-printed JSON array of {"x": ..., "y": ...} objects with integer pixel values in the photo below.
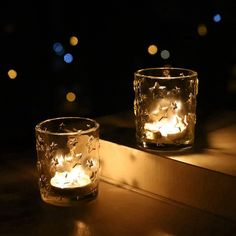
[
  {"x": 165, "y": 108},
  {"x": 68, "y": 160}
]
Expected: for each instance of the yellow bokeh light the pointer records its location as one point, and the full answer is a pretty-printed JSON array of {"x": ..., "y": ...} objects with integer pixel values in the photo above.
[
  {"x": 152, "y": 49},
  {"x": 12, "y": 74},
  {"x": 202, "y": 30},
  {"x": 73, "y": 40},
  {"x": 70, "y": 97}
]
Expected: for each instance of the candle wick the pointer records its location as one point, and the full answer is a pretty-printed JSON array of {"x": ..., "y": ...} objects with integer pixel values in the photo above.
[{"x": 75, "y": 165}]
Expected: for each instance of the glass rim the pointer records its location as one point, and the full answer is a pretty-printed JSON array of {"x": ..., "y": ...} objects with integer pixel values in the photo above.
[
  {"x": 142, "y": 72},
  {"x": 38, "y": 127}
]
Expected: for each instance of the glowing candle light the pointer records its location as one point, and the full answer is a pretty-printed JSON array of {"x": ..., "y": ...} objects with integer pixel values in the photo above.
[
  {"x": 167, "y": 124},
  {"x": 68, "y": 160},
  {"x": 68, "y": 173},
  {"x": 165, "y": 108}
]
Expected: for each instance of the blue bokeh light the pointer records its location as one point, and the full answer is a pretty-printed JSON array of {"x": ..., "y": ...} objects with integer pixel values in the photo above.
[
  {"x": 217, "y": 18},
  {"x": 58, "y": 48},
  {"x": 68, "y": 58}
]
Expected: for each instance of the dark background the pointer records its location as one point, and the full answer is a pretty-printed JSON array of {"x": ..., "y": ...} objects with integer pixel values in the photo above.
[{"x": 113, "y": 41}]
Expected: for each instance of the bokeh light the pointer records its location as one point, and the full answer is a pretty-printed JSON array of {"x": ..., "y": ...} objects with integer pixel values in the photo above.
[
  {"x": 68, "y": 58},
  {"x": 165, "y": 54},
  {"x": 70, "y": 97},
  {"x": 12, "y": 74},
  {"x": 73, "y": 40},
  {"x": 58, "y": 48},
  {"x": 217, "y": 18},
  {"x": 152, "y": 49},
  {"x": 202, "y": 29}
]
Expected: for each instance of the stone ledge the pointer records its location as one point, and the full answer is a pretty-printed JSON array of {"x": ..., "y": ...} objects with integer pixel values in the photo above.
[{"x": 177, "y": 180}]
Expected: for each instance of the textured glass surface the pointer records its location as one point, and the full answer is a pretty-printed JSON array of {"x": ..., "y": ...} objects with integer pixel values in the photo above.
[
  {"x": 68, "y": 160},
  {"x": 165, "y": 107}
]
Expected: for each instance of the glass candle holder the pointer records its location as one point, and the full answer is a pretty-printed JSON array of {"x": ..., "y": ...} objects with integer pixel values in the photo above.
[
  {"x": 68, "y": 160},
  {"x": 165, "y": 108}
]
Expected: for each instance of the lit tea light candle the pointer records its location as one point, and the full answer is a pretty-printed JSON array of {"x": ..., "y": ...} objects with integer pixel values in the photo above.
[
  {"x": 166, "y": 124},
  {"x": 73, "y": 179},
  {"x": 170, "y": 128},
  {"x": 68, "y": 174}
]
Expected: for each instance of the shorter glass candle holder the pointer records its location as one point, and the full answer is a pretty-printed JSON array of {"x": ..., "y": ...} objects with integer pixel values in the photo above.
[
  {"x": 68, "y": 160},
  {"x": 165, "y": 108}
]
